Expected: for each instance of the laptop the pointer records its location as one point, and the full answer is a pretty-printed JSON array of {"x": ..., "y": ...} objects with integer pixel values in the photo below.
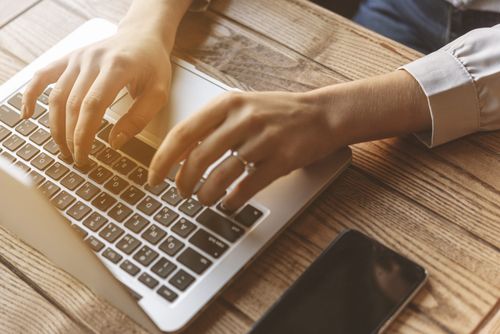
[{"x": 160, "y": 259}]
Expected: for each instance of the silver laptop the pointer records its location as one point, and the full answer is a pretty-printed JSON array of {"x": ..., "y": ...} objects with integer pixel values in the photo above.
[{"x": 172, "y": 255}]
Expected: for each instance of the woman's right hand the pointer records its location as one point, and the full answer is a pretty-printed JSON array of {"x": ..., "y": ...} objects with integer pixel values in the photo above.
[{"x": 87, "y": 82}]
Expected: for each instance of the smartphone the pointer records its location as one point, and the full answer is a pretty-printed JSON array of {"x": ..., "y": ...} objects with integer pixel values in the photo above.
[{"x": 356, "y": 286}]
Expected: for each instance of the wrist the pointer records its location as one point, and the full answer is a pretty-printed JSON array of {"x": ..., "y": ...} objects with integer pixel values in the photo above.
[{"x": 163, "y": 19}]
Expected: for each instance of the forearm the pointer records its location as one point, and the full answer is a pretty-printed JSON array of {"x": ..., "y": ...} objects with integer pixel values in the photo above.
[
  {"x": 375, "y": 108},
  {"x": 157, "y": 17}
]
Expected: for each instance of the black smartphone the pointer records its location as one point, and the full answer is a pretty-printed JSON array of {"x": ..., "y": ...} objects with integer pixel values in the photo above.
[{"x": 356, "y": 286}]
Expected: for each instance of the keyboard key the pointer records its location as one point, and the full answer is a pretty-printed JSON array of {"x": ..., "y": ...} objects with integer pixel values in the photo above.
[
  {"x": 72, "y": 181},
  {"x": 44, "y": 120},
  {"x": 108, "y": 156},
  {"x": 27, "y": 152},
  {"x": 63, "y": 200},
  {"x": 57, "y": 171},
  {"x": 128, "y": 244},
  {"x": 154, "y": 234},
  {"x": 52, "y": 147},
  {"x": 220, "y": 225},
  {"x": 208, "y": 243},
  {"x": 22, "y": 166},
  {"x": 149, "y": 205},
  {"x": 130, "y": 268},
  {"x": 9, "y": 117},
  {"x": 124, "y": 165},
  {"x": 181, "y": 280},
  {"x": 145, "y": 255},
  {"x": 47, "y": 91},
  {"x": 166, "y": 216},
  {"x": 148, "y": 281},
  {"x": 139, "y": 176},
  {"x": 36, "y": 177},
  {"x": 103, "y": 201},
  {"x": 119, "y": 212},
  {"x": 80, "y": 231},
  {"x": 26, "y": 127},
  {"x": 132, "y": 195},
  {"x": 87, "y": 191},
  {"x": 111, "y": 232},
  {"x": 39, "y": 111},
  {"x": 183, "y": 227},
  {"x": 78, "y": 211},
  {"x": 44, "y": 99},
  {"x": 116, "y": 185},
  {"x": 95, "y": 221},
  {"x": 158, "y": 189},
  {"x": 16, "y": 101},
  {"x": 191, "y": 207},
  {"x": 100, "y": 175},
  {"x": 163, "y": 268},
  {"x": 194, "y": 261},
  {"x": 171, "y": 246},
  {"x": 87, "y": 167},
  {"x": 4, "y": 133},
  {"x": 248, "y": 215},
  {"x": 8, "y": 156},
  {"x": 94, "y": 244},
  {"x": 13, "y": 143},
  {"x": 97, "y": 146},
  {"x": 172, "y": 197},
  {"x": 166, "y": 293},
  {"x": 40, "y": 136},
  {"x": 112, "y": 255},
  {"x": 136, "y": 223},
  {"x": 49, "y": 189},
  {"x": 42, "y": 161}
]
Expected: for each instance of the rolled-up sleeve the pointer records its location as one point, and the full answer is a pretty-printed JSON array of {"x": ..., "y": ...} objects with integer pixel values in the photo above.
[{"x": 462, "y": 85}]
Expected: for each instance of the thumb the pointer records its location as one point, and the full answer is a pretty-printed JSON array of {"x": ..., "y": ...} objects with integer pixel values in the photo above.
[{"x": 142, "y": 111}]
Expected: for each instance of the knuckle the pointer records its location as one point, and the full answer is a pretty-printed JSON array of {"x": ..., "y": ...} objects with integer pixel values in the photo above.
[
  {"x": 56, "y": 97},
  {"x": 197, "y": 159},
  {"x": 232, "y": 99},
  {"x": 92, "y": 102},
  {"x": 119, "y": 61},
  {"x": 137, "y": 122},
  {"x": 73, "y": 104},
  {"x": 180, "y": 133}
]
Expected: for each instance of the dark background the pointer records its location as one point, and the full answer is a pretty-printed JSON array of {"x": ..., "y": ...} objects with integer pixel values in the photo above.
[{"x": 345, "y": 8}]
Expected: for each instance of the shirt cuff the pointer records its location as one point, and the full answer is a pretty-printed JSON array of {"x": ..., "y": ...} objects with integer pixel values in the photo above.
[
  {"x": 199, "y": 6},
  {"x": 451, "y": 94}
]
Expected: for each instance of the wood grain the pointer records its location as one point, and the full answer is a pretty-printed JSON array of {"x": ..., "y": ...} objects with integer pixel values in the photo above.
[
  {"x": 438, "y": 207},
  {"x": 11, "y": 9},
  {"x": 23, "y": 310}
]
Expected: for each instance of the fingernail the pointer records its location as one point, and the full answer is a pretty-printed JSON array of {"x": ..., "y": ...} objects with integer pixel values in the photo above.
[{"x": 119, "y": 140}]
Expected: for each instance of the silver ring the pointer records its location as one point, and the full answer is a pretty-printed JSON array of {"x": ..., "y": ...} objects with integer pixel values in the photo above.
[{"x": 249, "y": 166}]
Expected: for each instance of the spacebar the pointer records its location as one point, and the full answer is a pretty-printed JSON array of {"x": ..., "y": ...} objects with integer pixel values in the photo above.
[{"x": 135, "y": 148}]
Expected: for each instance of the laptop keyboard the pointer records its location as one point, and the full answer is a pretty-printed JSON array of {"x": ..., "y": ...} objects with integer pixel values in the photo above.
[{"x": 163, "y": 241}]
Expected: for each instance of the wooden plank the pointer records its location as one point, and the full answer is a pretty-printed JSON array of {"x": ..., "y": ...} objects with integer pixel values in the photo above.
[
  {"x": 11, "y": 9},
  {"x": 23, "y": 310},
  {"x": 492, "y": 324}
]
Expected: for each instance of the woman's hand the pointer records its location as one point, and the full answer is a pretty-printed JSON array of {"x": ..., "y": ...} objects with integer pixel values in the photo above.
[
  {"x": 87, "y": 82},
  {"x": 278, "y": 132}
]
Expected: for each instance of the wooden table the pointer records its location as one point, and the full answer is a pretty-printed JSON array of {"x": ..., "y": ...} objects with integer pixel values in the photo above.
[{"x": 440, "y": 207}]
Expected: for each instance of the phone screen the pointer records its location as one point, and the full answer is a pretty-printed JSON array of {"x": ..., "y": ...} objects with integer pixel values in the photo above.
[{"x": 355, "y": 286}]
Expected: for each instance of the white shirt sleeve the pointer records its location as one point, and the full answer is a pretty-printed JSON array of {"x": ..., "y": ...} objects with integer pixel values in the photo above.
[
  {"x": 462, "y": 84},
  {"x": 199, "y": 5}
]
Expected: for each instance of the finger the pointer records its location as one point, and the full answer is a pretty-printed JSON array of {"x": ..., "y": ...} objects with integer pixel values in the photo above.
[
  {"x": 57, "y": 106},
  {"x": 189, "y": 132},
  {"x": 264, "y": 175},
  {"x": 74, "y": 102},
  {"x": 38, "y": 83},
  {"x": 142, "y": 111},
  {"x": 219, "y": 180},
  {"x": 99, "y": 97},
  {"x": 226, "y": 137}
]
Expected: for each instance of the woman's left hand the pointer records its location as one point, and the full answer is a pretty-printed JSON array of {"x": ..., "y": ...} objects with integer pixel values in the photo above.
[{"x": 277, "y": 131}]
